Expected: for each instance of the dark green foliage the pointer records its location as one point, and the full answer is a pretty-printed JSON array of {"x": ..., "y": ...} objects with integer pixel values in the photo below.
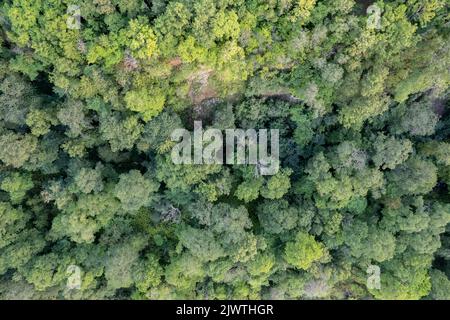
[{"x": 93, "y": 207}]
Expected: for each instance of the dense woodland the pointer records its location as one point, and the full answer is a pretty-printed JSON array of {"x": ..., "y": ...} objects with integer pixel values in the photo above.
[{"x": 86, "y": 179}]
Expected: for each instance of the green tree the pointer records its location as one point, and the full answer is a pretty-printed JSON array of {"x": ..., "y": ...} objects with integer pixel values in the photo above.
[
  {"x": 303, "y": 251},
  {"x": 135, "y": 190},
  {"x": 17, "y": 185}
]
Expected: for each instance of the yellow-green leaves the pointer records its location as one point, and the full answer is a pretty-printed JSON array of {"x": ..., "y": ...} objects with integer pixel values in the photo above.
[
  {"x": 140, "y": 39},
  {"x": 17, "y": 185},
  {"x": 302, "y": 10},
  {"x": 226, "y": 25},
  {"x": 303, "y": 251},
  {"x": 148, "y": 104},
  {"x": 190, "y": 51}
]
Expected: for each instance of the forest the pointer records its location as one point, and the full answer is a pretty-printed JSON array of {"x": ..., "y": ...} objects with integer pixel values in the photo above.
[{"x": 93, "y": 207}]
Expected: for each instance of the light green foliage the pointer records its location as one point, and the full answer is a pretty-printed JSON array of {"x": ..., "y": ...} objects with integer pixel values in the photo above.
[
  {"x": 149, "y": 104},
  {"x": 184, "y": 272},
  {"x": 121, "y": 260},
  {"x": 87, "y": 178},
  {"x": 362, "y": 109},
  {"x": 46, "y": 271},
  {"x": 12, "y": 222},
  {"x": 73, "y": 116},
  {"x": 404, "y": 278},
  {"x": 81, "y": 220},
  {"x": 183, "y": 177},
  {"x": 302, "y": 9},
  {"x": 16, "y": 148},
  {"x": 374, "y": 244},
  {"x": 201, "y": 243},
  {"x": 120, "y": 133},
  {"x": 40, "y": 121},
  {"x": 249, "y": 190},
  {"x": 225, "y": 25},
  {"x": 17, "y": 186},
  {"x": 27, "y": 245},
  {"x": 277, "y": 186},
  {"x": 140, "y": 39},
  {"x": 147, "y": 273},
  {"x": 303, "y": 251},
  {"x": 135, "y": 190},
  {"x": 220, "y": 186},
  {"x": 262, "y": 264}
]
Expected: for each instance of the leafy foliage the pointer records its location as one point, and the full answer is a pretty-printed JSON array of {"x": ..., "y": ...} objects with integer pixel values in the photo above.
[{"x": 88, "y": 189}]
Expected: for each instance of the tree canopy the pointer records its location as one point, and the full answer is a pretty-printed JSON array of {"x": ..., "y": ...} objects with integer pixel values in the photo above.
[{"x": 89, "y": 191}]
